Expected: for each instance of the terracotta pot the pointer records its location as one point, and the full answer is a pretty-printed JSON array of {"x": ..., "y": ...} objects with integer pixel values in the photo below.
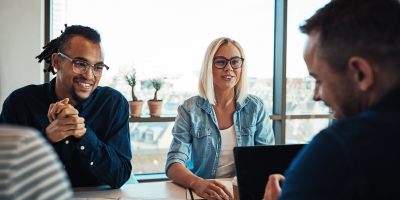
[
  {"x": 155, "y": 108},
  {"x": 136, "y": 108}
]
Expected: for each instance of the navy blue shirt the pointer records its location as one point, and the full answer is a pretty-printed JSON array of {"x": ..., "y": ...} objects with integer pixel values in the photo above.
[
  {"x": 355, "y": 158},
  {"x": 103, "y": 155}
]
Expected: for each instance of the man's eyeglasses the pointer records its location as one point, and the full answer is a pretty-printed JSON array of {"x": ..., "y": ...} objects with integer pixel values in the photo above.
[
  {"x": 81, "y": 66},
  {"x": 221, "y": 62}
]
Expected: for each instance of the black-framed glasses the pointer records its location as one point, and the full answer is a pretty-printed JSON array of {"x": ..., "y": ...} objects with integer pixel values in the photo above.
[
  {"x": 81, "y": 66},
  {"x": 221, "y": 62}
]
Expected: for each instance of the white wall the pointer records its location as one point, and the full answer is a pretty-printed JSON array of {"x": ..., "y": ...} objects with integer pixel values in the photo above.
[{"x": 21, "y": 40}]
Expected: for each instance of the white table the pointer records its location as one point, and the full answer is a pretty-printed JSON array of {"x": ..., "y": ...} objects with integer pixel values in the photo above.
[{"x": 168, "y": 190}]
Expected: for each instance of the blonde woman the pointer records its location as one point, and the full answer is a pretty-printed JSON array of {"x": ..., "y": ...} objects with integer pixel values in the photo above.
[{"x": 210, "y": 125}]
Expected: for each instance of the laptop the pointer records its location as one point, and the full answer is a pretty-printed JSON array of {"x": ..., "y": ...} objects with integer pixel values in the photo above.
[{"x": 254, "y": 164}]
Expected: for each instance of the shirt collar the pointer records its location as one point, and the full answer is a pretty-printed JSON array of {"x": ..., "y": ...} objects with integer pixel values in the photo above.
[
  {"x": 51, "y": 94},
  {"x": 390, "y": 101},
  {"x": 87, "y": 102}
]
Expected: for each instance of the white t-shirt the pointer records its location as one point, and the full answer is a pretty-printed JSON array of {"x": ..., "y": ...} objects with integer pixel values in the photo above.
[{"x": 226, "y": 165}]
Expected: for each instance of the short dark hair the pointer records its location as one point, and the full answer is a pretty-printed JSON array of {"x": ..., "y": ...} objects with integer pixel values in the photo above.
[
  {"x": 61, "y": 43},
  {"x": 365, "y": 28}
]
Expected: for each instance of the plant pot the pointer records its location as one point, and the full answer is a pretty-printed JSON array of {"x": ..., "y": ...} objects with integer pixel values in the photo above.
[
  {"x": 155, "y": 108},
  {"x": 136, "y": 108}
]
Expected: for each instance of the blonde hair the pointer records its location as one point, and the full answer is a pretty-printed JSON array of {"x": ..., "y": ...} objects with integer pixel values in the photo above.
[{"x": 206, "y": 83}]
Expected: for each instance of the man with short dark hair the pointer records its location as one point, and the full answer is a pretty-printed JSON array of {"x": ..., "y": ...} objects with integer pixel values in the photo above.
[
  {"x": 86, "y": 124},
  {"x": 353, "y": 52}
]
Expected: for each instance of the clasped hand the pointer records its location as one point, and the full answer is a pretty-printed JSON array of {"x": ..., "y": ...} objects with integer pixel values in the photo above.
[{"x": 64, "y": 121}]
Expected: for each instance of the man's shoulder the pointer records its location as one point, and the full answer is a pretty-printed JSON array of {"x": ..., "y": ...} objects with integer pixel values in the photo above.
[
  {"x": 366, "y": 123},
  {"x": 28, "y": 91},
  {"x": 362, "y": 132},
  {"x": 343, "y": 133},
  {"x": 345, "y": 129},
  {"x": 109, "y": 93}
]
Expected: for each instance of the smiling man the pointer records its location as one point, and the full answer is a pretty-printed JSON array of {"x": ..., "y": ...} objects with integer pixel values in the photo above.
[
  {"x": 86, "y": 124},
  {"x": 353, "y": 52}
]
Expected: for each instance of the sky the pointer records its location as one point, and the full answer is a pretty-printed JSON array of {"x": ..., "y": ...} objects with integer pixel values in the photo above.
[{"x": 298, "y": 12}]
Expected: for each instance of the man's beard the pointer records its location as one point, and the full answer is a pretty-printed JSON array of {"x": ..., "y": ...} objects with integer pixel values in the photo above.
[
  {"x": 76, "y": 97},
  {"x": 72, "y": 90}
]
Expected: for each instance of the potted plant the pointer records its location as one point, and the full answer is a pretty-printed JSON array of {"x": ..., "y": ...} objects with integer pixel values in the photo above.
[
  {"x": 135, "y": 105},
  {"x": 155, "y": 104}
]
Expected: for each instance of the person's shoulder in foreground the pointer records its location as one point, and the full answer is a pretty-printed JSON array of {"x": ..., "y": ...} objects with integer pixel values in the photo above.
[
  {"x": 29, "y": 168},
  {"x": 355, "y": 158},
  {"x": 352, "y": 52}
]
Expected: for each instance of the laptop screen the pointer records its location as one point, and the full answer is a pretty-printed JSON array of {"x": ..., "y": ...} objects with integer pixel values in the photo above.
[{"x": 256, "y": 163}]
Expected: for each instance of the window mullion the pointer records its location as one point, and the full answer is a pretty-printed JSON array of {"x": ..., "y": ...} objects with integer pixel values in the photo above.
[{"x": 279, "y": 82}]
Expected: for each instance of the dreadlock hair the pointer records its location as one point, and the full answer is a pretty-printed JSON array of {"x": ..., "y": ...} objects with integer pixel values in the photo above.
[
  {"x": 365, "y": 28},
  {"x": 62, "y": 43}
]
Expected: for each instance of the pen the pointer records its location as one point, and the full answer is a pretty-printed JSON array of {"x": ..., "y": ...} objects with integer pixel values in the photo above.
[{"x": 191, "y": 195}]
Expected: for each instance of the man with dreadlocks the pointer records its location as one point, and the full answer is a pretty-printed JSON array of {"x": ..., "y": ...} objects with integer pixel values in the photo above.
[{"x": 86, "y": 124}]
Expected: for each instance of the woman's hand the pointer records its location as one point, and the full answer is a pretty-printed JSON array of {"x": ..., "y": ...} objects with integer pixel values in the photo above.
[{"x": 211, "y": 189}]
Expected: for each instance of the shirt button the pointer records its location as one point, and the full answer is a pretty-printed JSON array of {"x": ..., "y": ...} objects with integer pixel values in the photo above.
[
  {"x": 91, "y": 163},
  {"x": 66, "y": 141},
  {"x": 82, "y": 147},
  {"x": 239, "y": 139}
]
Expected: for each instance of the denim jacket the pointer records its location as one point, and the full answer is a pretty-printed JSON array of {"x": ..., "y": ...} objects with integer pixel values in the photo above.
[{"x": 197, "y": 140}]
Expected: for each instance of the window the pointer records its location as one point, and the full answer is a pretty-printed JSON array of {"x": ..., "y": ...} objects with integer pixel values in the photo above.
[
  {"x": 150, "y": 143},
  {"x": 167, "y": 39},
  {"x": 300, "y": 86},
  {"x": 301, "y": 131}
]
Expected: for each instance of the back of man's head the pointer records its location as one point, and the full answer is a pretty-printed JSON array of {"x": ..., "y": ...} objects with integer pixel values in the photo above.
[
  {"x": 61, "y": 43},
  {"x": 365, "y": 28}
]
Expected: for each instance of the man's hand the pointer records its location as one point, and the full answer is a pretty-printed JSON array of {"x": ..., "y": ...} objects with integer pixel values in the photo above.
[
  {"x": 273, "y": 190},
  {"x": 66, "y": 123},
  {"x": 56, "y": 108},
  {"x": 211, "y": 189}
]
